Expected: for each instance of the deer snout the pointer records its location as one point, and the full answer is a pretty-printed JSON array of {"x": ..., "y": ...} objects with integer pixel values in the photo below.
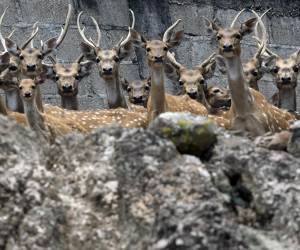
[
  {"x": 227, "y": 47},
  {"x": 67, "y": 88},
  {"x": 27, "y": 94},
  {"x": 286, "y": 79},
  {"x": 158, "y": 59},
  {"x": 107, "y": 70},
  {"x": 137, "y": 99},
  {"x": 31, "y": 67},
  {"x": 192, "y": 94}
]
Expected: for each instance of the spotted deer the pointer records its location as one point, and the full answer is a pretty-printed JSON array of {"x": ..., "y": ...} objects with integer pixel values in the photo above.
[
  {"x": 193, "y": 81},
  {"x": 138, "y": 91},
  {"x": 67, "y": 78},
  {"x": 30, "y": 58},
  {"x": 108, "y": 61},
  {"x": 160, "y": 102},
  {"x": 46, "y": 126},
  {"x": 249, "y": 110}
]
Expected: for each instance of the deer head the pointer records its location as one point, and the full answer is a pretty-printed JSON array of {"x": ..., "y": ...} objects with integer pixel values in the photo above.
[
  {"x": 27, "y": 89},
  {"x": 218, "y": 97},
  {"x": 157, "y": 50},
  {"x": 138, "y": 91},
  {"x": 67, "y": 77},
  {"x": 229, "y": 39},
  {"x": 192, "y": 80},
  {"x": 31, "y": 58},
  {"x": 108, "y": 60}
]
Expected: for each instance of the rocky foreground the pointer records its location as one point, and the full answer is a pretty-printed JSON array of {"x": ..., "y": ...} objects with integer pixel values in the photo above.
[{"x": 132, "y": 189}]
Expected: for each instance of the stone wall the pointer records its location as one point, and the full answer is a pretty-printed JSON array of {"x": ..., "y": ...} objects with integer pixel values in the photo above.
[{"x": 153, "y": 17}]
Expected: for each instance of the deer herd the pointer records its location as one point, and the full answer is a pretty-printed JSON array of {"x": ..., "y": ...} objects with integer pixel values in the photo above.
[{"x": 23, "y": 67}]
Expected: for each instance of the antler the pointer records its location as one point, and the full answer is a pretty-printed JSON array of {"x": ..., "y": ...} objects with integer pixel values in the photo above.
[
  {"x": 168, "y": 32},
  {"x": 171, "y": 58},
  {"x": 63, "y": 32},
  {"x": 79, "y": 59},
  {"x": 33, "y": 34},
  {"x": 81, "y": 32},
  {"x": 236, "y": 18},
  {"x": 209, "y": 60},
  {"x": 122, "y": 43},
  {"x": 52, "y": 59},
  {"x": 33, "y": 29},
  {"x": 1, "y": 36}
]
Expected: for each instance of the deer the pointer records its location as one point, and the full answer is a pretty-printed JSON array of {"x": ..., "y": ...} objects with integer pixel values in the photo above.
[
  {"x": 108, "y": 61},
  {"x": 285, "y": 73},
  {"x": 193, "y": 80},
  {"x": 30, "y": 58},
  {"x": 219, "y": 99},
  {"x": 249, "y": 111},
  {"x": 157, "y": 50},
  {"x": 47, "y": 127},
  {"x": 138, "y": 91},
  {"x": 67, "y": 78}
]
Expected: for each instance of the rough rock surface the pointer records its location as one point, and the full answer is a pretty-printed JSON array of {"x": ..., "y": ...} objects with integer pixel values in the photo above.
[{"x": 130, "y": 189}]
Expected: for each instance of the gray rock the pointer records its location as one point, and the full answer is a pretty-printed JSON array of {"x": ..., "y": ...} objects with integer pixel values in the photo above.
[
  {"x": 294, "y": 142},
  {"x": 191, "y": 134}
]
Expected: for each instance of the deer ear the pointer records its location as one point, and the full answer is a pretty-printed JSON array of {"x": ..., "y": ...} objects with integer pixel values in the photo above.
[
  {"x": 88, "y": 51},
  {"x": 50, "y": 45},
  {"x": 12, "y": 47},
  {"x": 221, "y": 64},
  {"x": 5, "y": 58},
  {"x": 211, "y": 26},
  {"x": 137, "y": 39},
  {"x": 85, "y": 68},
  {"x": 209, "y": 70},
  {"x": 176, "y": 39},
  {"x": 248, "y": 26}
]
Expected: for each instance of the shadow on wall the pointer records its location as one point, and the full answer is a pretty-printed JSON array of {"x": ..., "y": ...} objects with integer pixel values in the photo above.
[{"x": 79, "y": 4}]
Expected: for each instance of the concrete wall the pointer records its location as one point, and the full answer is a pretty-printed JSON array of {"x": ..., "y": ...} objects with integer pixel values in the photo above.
[{"x": 153, "y": 17}]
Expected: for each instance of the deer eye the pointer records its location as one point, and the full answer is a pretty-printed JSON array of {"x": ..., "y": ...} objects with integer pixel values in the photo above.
[
  {"x": 20, "y": 87},
  {"x": 117, "y": 59},
  {"x": 21, "y": 57},
  {"x": 148, "y": 49},
  {"x": 165, "y": 48},
  {"x": 238, "y": 36},
  {"x": 33, "y": 87},
  {"x": 147, "y": 87},
  {"x": 56, "y": 78},
  {"x": 181, "y": 82},
  {"x": 97, "y": 60},
  {"x": 216, "y": 91},
  {"x": 128, "y": 89},
  {"x": 77, "y": 77},
  {"x": 219, "y": 37},
  {"x": 296, "y": 69},
  {"x": 275, "y": 70},
  {"x": 202, "y": 81},
  {"x": 40, "y": 56},
  {"x": 255, "y": 73}
]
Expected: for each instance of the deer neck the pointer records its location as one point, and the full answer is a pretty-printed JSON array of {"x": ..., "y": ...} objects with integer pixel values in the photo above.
[
  {"x": 241, "y": 97},
  {"x": 287, "y": 99},
  {"x": 69, "y": 102},
  {"x": 14, "y": 101},
  {"x": 115, "y": 98},
  {"x": 157, "y": 92},
  {"x": 34, "y": 118},
  {"x": 3, "y": 110}
]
